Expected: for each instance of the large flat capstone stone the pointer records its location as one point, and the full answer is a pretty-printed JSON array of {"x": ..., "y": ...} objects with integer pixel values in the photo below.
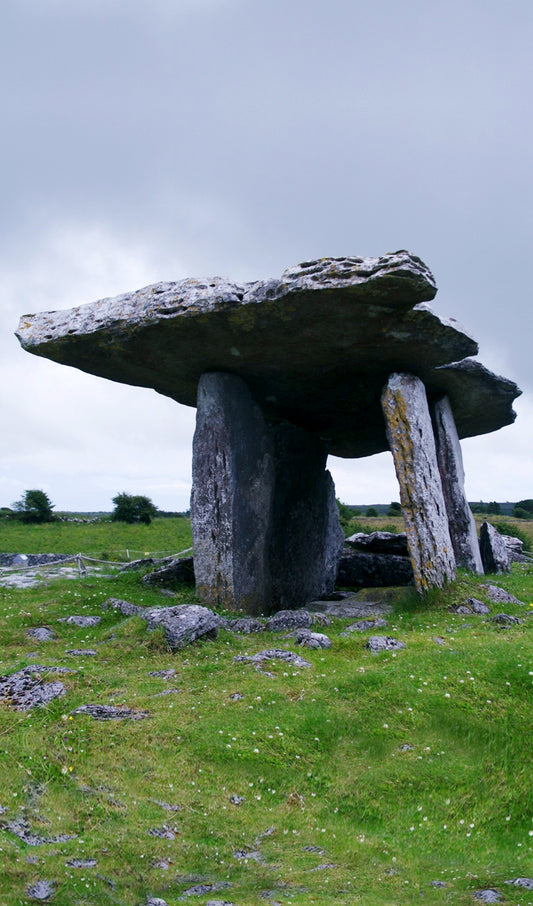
[{"x": 314, "y": 347}]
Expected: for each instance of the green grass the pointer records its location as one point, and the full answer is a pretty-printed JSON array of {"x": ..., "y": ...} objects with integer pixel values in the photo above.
[
  {"x": 162, "y": 536},
  {"x": 394, "y": 770}
]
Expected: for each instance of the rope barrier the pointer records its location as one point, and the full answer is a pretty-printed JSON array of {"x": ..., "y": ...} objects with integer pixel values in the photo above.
[{"x": 79, "y": 559}]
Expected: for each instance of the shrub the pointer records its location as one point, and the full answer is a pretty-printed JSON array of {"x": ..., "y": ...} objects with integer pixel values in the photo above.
[
  {"x": 523, "y": 509},
  {"x": 34, "y": 506},
  {"x": 133, "y": 508}
]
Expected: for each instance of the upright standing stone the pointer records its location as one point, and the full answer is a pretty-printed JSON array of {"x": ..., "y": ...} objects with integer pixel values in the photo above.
[
  {"x": 493, "y": 550},
  {"x": 410, "y": 436},
  {"x": 232, "y": 496},
  {"x": 307, "y": 539},
  {"x": 266, "y": 531},
  {"x": 460, "y": 519}
]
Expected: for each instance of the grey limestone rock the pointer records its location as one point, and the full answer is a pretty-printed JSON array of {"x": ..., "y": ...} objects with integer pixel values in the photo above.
[
  {"x": 26, "y": 688},
  {"x": 477, "y": 606},
  {"x": 177, "y": 572},
  {"x": 307, "y": 639},
  {"x": 265, "y": 525},
  {"x": 461, "y": 522},
  {"x": 505, "y": 619},
  {"x": 380, "y": 543},
  {"x": 198, "y": 890},
  {"x": 411, "y": 440},
  {"x": 244, "y": 625},
  {"x": 363, "y": 625},
  {"x": 41, "y": 634},
  {"x": 82, "y": 652},
  {"x": 358, "y": 317},
  {"x": 289, "y": 619},
  {"x": 125, "y": 607},
  {"x": 41, "y": 890},
  {"x": 165, "y": 832},
  {"x": 384, "y": 643},
  {"x": 182, "y": 624},
  {"x": 362, "y": 569},
  {"x": 514, "y": 547},
  {"x": 232, "y": 496},
  {"x": 155, "y": 901},
  {"x": 269, "y": 654},
  {"x": 81, "y": 620},
  {"x": 488, "y": 895},
  {"x": 493, "y": 550},
  {"x": 110, "y": 712},
  {"x": 526, "y": 883},
  {"x": 500, "y": 596}
]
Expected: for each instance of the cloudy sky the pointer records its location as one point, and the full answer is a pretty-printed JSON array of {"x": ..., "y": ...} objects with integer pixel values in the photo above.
[{"x": 148, "y": 140}]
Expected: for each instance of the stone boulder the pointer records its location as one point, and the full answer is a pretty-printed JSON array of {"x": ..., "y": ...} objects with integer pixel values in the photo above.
[
  {"x": 370, "y": 570},
  {"x": 339, "y": 327},
  {"x": 176, "y": 572},
  {"x": 182, "y": 624},
  {"x": 493, "y": 549},
  {"x": 380, "y": 543}
]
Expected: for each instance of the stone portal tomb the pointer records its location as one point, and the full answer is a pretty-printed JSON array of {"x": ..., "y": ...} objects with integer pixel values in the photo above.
[{"x": 341, "y": 356}]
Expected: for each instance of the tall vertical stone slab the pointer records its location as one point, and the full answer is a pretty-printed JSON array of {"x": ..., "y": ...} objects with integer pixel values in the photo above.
[
  {"x": 307, "y": 538},
  {"x": 232, "y": 496},
  {"x": 460, "y": 519},
  {"x": 494, "y": 551},
  {"x": 410, "y": 436}
]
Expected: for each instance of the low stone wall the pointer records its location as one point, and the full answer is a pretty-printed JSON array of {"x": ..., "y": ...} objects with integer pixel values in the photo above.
[{"x": 8, "y": 560}]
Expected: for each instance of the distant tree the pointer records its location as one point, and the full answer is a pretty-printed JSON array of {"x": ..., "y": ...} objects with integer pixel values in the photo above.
[
  {"x": 523, "y": 509},
  {"x": 395, "y": 509},
  {"x": 345, "y": 514},
  {"x": 133, "y": 508},
  {"x": 493, "y": 508},
  {"x": 371, "y": 511},
  {"x": 34, "y": 506}
]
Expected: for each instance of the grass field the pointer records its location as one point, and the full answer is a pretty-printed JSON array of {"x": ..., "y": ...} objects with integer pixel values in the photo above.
[
  {"x": 111, "y": 539},
  {"x": 364, "y": 779}
]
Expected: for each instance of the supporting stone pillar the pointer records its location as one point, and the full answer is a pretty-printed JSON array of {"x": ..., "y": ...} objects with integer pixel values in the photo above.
[
  {"x": 232, "y": 496},
  {"x": 460, "y": 519},
  {"x": 307, "y": 539},
  {"x": 266, "y": 531},
  {"x": 411, "y": 440}
]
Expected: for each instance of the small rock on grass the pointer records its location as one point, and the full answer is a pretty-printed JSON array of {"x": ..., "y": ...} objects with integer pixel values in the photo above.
[
  {"x": 490, "y": 895},
  {"x": 526, "y": 883},
  {"x": 82, "y": 652},
  {"x": 199, "y": 890},
  {"x": 504, "y": 619},
  {"x": 384, "y": 643},
  {"x": 273, "y": 654},
  {"x": 308, "y": 639},
  {"x": 109, "y": 712},
  {"x": 41, "y": 634},
  {"x": 477, "y": 606},
  {"x": 80, "y": 620},
  {"x": 363, "y": 625},
  {"x": 242, "y": 624},
  {"x": 41, "y": 890},
  {"x": 500, "y": 596}
]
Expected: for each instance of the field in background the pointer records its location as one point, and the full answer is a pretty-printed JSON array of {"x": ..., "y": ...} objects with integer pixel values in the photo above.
[{"x": 103, "y": 540}]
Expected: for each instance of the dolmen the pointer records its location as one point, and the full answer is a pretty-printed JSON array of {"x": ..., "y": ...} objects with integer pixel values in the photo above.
[{"x": 340, "y": 356}]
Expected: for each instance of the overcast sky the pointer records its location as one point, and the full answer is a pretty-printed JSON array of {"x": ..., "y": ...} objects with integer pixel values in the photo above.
[{"x": 148, "y": 140}]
